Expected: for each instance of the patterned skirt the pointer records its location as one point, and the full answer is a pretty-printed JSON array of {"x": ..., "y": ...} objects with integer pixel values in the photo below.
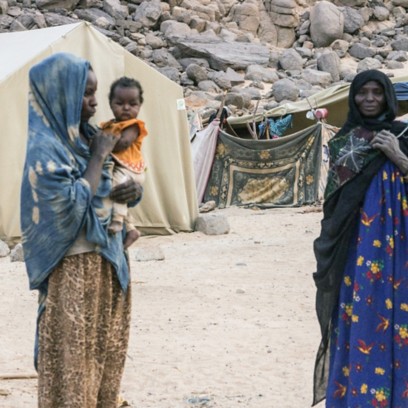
[
  {"x": 83, "y": 335},
  {"x": 369, "y": 344}
]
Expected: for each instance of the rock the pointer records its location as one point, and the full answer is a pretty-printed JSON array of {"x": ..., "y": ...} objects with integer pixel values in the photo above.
[
  {"x": 381, "y": 13},
  {"x": 208, "y": 86},
  {"x": 351, "y": 3},
  {"x": 222, "y": 55},
  {"x": 148, "y": 13},
  {"x": 400, "y": 56},
  {"x": 291, "y": 60},
  {"x": 353, "y": 20},
  {"x": 207, "y": 207},
  {"x": 304, "y": 52},
  {"x": 212, "y": 224},
  {"x": 326, "y": 23},
  {"x": 115, "y": 9},
  {"x": 221, "y": 79},
  {"x": 361, "y": 51},
  {"x": 155, "y": 41},
  {"x": 54, "y": 19},
  {"x": 260, "y": 73},
  {"x": 236, "y": 99},
  {"x": 249, "y": 94},
  {"x": 316, "y": 77},
  {"x": 329, "y": 62},
  {"x": 285, "y": 89},
  {"x": 3, "y": 6},
  {"x": 400, "y": 44},
  {"x": 391, "y": 64},
  {"x": 340, "y": 47},
  {"x": 246, "y": 15},
  {"x": 17, "y": 253},
  {"x": 368, "y": 63},
  {"x": 163, "y": 58},
  {"x": 234, "y": 77},
  {"x": 53, "y": 5},
  {"x": 285, "y": 36},
  {"x": 171, "y": 73},
  {"x": 185, "y": 62},
  {"x": 94, "y": 14},
  {"x": 173, "y": 29},
  {"x": 196, "y": 73},
  {"x": 147, "y": 254}
]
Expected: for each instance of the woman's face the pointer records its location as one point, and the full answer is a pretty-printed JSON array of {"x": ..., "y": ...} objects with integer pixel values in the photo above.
[
  {"x": 89, "y": 102},
  {"x": 370, "y": 99}
]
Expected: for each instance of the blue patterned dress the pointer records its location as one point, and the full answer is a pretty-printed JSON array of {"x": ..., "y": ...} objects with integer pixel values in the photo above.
[{"x": 369, "y": 342}]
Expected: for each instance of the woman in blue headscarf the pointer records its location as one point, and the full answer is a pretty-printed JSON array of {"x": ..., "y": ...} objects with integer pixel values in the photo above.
[
  {"x": 361, "y": 253},
  {"x": 80, "y": 271}
]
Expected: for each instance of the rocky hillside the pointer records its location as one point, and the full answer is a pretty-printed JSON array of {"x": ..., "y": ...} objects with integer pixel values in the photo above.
[{"x": 251, "y": 52}]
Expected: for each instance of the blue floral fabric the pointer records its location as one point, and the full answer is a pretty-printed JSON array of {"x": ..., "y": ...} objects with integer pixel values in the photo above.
[{"x": 369, "y": 343}]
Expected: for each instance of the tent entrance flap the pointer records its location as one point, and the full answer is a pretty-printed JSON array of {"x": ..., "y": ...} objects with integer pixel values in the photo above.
[{"x": 267, "y": 173}]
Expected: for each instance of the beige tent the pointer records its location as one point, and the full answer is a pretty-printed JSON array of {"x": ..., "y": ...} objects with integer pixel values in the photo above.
[
  {"x": 334, "y": 99},
  {"x": 170, "y": 200}
]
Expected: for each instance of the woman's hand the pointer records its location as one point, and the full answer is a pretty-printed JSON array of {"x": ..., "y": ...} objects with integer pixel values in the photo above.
[
  {"x": 103, "y": 143},
  {"x": 389, "y": 145},
  {"x": 127, "y": 192}
]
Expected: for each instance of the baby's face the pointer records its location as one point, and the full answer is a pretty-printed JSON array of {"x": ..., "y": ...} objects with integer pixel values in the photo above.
[{"x": 125, "y": 103}]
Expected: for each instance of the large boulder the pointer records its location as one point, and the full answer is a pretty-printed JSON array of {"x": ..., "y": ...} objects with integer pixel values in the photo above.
[
  {"x": 285, "y": 89},
  {"x": 53, "y": 5},
  {"x": 246, "y": 15},
  {"x": 326, "y": 24},
  {"x": 329, "y": 62},
  {"x": 353, "y": 20},
  {"x": 222, "y": 55}
]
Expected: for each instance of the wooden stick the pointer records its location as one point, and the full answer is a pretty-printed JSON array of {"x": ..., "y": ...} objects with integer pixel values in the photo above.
[
  {"x": 253, "y": 135},
  {"x": 18, "y": 377},
  {"x": 219, "y": 113},
  {"x": 311, "y": 107},
  {"x": 253, "y": 119},
  {"x": 231, "y": 129},
  {"x": 405, "y": 129}
]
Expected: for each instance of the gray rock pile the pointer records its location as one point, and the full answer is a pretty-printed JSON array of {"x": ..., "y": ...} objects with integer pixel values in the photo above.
[{"x": 246, "y": 51}]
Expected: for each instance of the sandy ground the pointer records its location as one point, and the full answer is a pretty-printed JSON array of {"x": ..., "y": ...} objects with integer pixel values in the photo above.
[{"x": 223, "y": 321}]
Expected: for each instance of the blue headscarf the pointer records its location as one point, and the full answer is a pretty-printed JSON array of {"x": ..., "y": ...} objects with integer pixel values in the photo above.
[{"x": 56, "y": 202}]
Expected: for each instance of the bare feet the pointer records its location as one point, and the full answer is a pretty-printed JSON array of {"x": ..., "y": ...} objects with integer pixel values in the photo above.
[
  {"x": 131, "y": 237},
  {"x": 114, "y": 227}
]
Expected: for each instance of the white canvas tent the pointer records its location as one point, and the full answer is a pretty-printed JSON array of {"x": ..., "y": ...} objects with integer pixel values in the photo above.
[{"x": 170, "y": 201}]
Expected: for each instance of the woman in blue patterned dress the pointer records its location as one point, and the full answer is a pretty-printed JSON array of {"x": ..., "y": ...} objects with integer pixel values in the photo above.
[{"x": 361, "y": 253}]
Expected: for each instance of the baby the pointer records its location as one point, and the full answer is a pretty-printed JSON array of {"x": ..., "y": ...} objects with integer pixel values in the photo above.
[{"x": 125, "y": 100}]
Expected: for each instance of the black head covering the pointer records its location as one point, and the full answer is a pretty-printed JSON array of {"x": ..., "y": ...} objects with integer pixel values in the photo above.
[{"x": 354, "y": 117}]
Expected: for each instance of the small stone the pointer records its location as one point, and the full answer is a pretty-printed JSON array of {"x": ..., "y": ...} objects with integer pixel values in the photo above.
[
  {"x": 148, "y": 254},
  {"x": 17, "y": 254}
]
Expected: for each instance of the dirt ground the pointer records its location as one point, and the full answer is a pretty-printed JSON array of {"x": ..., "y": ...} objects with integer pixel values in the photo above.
[{"x": 223, "y": 321}]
